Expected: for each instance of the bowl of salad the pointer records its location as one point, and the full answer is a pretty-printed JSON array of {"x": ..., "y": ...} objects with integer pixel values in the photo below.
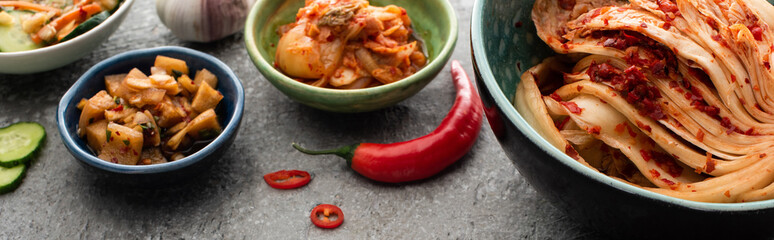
[{"x": 42, "y": 35}]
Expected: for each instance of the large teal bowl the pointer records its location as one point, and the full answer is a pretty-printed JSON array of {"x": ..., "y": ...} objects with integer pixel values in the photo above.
[
  {"x": 433, "y": 20},
  {"x": 504, "y": 45}
]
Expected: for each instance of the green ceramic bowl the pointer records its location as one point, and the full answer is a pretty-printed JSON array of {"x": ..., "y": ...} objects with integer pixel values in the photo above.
[{"x": 433, "y": 20}]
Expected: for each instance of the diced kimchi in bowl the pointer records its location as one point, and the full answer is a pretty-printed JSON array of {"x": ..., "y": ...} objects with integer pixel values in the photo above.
[
  {"x": 350, "y": 55},
  {"x": 152, "y": 111}
]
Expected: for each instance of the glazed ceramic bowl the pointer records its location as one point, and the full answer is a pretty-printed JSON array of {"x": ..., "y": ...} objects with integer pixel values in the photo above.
[
  {"x": 505, "y": 44},
  {"x": 433, "y": 20},
  {"x": 229, "y": 112},
  {"x": 55, "y": 56}
]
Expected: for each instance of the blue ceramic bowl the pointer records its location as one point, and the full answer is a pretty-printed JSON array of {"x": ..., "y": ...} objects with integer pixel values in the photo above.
[
  {"x": 229, "y": 114},
  {"x": 504, "y": 44}
]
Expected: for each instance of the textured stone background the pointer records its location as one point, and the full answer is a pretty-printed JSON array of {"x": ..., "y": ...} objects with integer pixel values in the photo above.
[{"x": 480, "y": 197}]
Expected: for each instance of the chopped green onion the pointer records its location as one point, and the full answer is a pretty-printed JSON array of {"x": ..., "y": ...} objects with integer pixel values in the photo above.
[
  {"x": 176, "y": 74},
  {"x": 107, "y": 135},
  {"x": 126, "y": 142}
]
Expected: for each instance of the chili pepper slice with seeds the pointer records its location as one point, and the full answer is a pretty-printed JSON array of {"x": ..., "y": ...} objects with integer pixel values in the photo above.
[
  {"x": 287, "y": 179},
  {"x": 425, "y": 156},
  {"x": 327, "y": 216}
]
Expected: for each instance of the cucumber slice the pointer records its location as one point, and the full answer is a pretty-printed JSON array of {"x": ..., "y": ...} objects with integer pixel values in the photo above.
[
  {"x": 10, "y": 178},
  {"x": 13, "y": 38},
  {"x": 19, "y": 141},
  {"x": 87, "y": 25}
]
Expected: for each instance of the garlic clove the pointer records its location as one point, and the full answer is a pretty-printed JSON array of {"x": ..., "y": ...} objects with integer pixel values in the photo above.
[{"x": 203, "y": 20}]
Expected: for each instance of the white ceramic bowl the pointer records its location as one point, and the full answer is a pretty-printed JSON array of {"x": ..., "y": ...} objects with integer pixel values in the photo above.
[{"x": 51, "y": 57}]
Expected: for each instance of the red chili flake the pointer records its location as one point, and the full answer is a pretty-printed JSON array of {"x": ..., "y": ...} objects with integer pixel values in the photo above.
[
  {"x": 560, "y": 125},
  {"x": 646, "y": 155},
  {"x": 643, "y": 25},
  {"x": 570, "y": 151},
  {"x": 620, "y": 127},
  {"x": 643, "y": 126},
  {"x": 655, "y": 173},
  {"x": 84, "y": 14},
  {"x": 666, "y": 26},
  {"x": 667, "y": 181},
  {"x": 727, "y": 193},
  {"x": 756, "y": 88},
  {"x": 118, "y": 133},
  {"x": 135, "y": 152},
  {"x": 572, "y": 107},
  {"x": 762, "y": 155},
  {"x": 733, "y": 78},
  {"x": 114, "y": 160},
  {"x": 767, "y": 64},
  {"x": 757, "y": 32},
  {"x": 594, "y": 130},
  {"x": 712, "y": 23},
  {"x": 726, "y": 123},
  {"x": 118, "y": 109},
  {"x": 193, "y": 83},
  {"x": 710, "y": 165},
  {"x": 750, "y": 131},
  {"x": 579, "y": 88},
  {"x": 700, "y": 136},
  {"x": 720, "y": 40},
  {"x": 518, "y": 24},
  {"x": 631, "y": 132},
  {"x": 747, "y": 80},
  {"x": 709, "y": 110}
]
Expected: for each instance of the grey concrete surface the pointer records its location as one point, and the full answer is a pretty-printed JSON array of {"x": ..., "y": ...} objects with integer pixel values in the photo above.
[{"x": 480, "y": 197}]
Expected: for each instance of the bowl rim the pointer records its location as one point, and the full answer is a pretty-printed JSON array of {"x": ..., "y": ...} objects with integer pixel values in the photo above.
[
  {"x": 80, "y": 153},
  {"x": 262, "y": 63},
  {"x": 123, "y": 9},
  {"x": 509, "y": 111}
]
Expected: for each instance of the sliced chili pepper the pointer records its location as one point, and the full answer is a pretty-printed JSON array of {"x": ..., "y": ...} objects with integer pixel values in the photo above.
[
  {"x": 323, "y": 216},
  {"x": 425, "y": 156},
  {"x": 287, "y": 179}
]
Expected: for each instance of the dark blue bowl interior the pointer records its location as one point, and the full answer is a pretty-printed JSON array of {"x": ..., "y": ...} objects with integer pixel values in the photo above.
[
  {"x": 229, "y": 110},
  {"x": 504, "y": 45}
]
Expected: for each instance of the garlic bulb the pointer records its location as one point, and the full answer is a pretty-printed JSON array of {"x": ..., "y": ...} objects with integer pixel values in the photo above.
[{"x": 203, "y": 20}]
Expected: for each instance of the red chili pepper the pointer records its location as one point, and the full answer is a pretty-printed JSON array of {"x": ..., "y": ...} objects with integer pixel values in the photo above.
[
  {"x": 287, "y": 179},
  {"x": 425, "y": 156},
  {"x": 321, "y": 216}
]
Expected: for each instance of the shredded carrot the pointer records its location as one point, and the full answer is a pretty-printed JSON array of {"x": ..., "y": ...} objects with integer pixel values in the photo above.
[
  {"x": 78, "y": 15},
  {"x": 29, "y": 6}
]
